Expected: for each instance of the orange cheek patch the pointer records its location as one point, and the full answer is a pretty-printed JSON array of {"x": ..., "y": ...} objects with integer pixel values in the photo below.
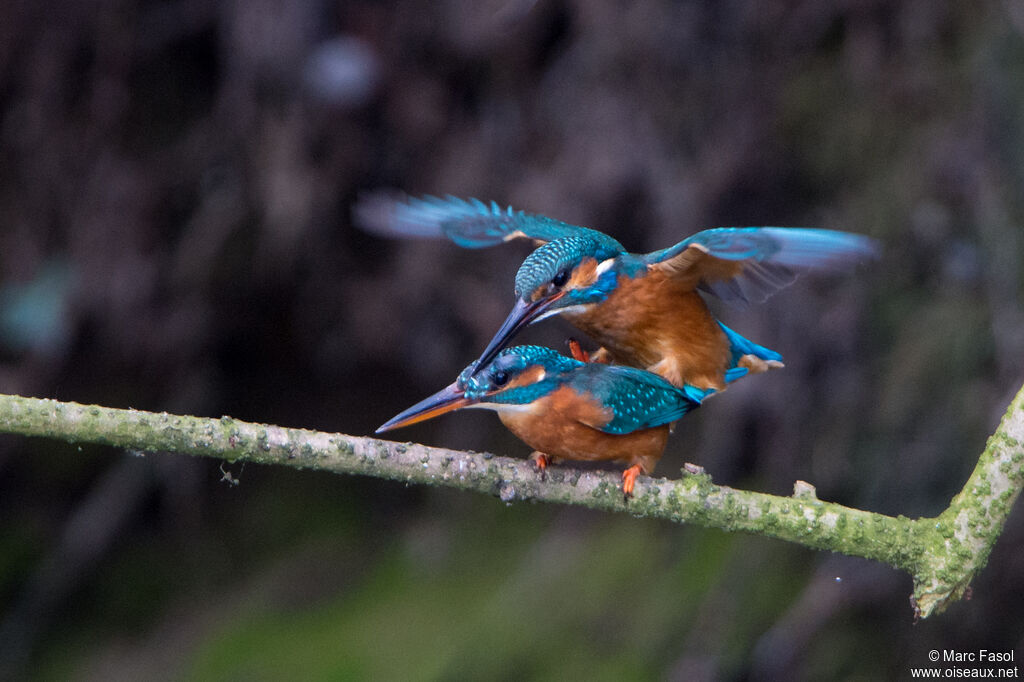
[
  {"x": 528, "y": 376},
  {"x": 584, "y": 275}
]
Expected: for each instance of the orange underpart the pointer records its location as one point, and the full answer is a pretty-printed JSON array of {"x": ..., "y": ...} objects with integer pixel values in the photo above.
[
  {"x": 577, "y": 352},
  {"x": 629, "y": 479},
  {"x": 660, "y": 318}
]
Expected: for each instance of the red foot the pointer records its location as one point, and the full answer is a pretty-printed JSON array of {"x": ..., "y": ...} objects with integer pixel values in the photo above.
[
  {"x": 629, "y": 480},
  {"x": 577, "y": 352},
  {"x": 541, "y": 462}
]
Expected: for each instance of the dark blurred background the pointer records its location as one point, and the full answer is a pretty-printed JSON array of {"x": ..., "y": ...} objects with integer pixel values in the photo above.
[{"x": 176, "y": 180}]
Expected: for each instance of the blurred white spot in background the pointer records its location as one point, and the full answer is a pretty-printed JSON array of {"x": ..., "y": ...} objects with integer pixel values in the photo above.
[{"x": 342, "y": 71}]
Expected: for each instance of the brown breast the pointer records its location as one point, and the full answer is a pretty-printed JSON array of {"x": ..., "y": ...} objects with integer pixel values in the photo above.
[
  {"x": 657, "y": 323},
  {"x": 557, "y": 426}
]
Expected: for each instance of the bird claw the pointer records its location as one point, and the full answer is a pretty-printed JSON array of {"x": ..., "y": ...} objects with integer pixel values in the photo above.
[
  {"x": 629, "y": 481},
  {"x": 576, "y": 351},
  {"x": 693, "y": 469},
  {"x": 540, "y": 463}
]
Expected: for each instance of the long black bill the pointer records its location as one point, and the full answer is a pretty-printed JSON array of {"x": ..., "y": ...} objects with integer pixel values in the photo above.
[
  {"x": 523, "y": 313},
  {"x": 449, "y": 398}
]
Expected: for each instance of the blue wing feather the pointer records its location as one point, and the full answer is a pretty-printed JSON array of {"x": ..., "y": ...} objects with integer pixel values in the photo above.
[
  {"x": 771, "y": 257},
  {"x": 795, "y": 247},
  {"x": 638, "y": 399},
  {"x": 470, "y": 223}
]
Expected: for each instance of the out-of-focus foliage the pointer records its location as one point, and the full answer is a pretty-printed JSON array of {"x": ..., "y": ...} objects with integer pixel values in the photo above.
[{"x": 175, "y": 192}]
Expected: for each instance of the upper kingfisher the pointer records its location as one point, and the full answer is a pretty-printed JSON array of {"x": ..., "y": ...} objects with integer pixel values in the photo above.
[
  {"x": 643, "y": 309},
  {"x": 567, "y": 409}
]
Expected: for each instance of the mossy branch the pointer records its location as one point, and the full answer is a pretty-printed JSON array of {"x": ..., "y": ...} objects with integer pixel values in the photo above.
[{"x": 943, "y": 554}]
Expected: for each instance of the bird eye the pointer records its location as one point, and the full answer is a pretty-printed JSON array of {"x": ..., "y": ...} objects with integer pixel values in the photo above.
[
  {"x": 499, "y": 378},
  {"x": 561, "y": 278}
]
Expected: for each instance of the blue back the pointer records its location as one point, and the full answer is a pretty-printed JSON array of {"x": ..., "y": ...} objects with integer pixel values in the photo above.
[{"x": 637, "y": 399}]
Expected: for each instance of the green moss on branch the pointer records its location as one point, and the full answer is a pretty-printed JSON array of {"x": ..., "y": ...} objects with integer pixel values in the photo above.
[{"x": 942, "y": 554}]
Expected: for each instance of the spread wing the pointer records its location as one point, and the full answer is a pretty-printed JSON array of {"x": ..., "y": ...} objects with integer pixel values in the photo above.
[
  {"x": 470, "y": 223},
  {"x": 744, "y": 264},
  {"x": 637, "y": 399}
]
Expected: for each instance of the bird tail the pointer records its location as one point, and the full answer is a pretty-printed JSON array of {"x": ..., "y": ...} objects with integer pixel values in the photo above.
[
  {"x": 698, "y": 395},
  {"x": 747, "y": 356}
]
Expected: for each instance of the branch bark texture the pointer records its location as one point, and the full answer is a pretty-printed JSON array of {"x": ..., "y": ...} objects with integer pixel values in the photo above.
[{"x": 943, "y": 554}]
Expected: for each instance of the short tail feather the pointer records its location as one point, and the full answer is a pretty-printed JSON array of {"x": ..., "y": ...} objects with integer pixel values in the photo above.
[{"x": 740, "y": 346}]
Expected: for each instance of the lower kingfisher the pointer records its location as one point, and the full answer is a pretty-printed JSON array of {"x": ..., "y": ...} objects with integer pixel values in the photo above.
[
  {"x": 643, "y": 309},
  {"x": 567, "y": 409}
]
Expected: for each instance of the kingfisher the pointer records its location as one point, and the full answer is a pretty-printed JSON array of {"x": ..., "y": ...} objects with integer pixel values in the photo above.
[
  {"x": 644, "y": 310},
  {"x": 564, "y": 408}
]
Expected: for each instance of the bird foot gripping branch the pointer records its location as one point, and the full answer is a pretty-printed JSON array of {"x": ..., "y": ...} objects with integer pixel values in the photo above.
[
  {"x": 629, "y": 479},
  {"x": 541, "y": 462}
]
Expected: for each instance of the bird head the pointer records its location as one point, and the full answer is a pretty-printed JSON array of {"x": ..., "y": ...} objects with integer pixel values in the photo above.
[
  {"x": 516, "y": 376},
  {"x": 570, "y": 273}
]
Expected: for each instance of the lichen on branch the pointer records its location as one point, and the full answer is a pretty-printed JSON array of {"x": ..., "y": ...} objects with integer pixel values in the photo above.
[{"x": 943, "y": 554}]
